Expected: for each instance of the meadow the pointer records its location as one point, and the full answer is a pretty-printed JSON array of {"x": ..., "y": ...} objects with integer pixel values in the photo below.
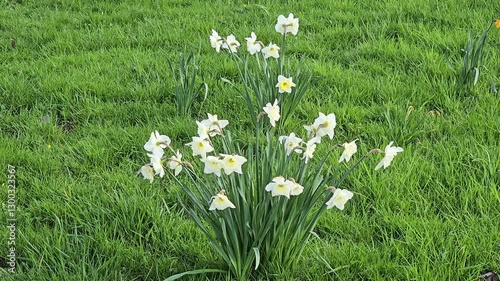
[{"x": 84, "y": 83}]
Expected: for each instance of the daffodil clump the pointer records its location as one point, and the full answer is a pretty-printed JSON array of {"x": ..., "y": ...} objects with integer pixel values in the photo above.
[{"x": 258, "y": 206}]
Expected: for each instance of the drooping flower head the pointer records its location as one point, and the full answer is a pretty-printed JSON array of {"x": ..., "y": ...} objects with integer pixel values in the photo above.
[
  {"x": 253, "y": 46},
  {"x": 175, "y": 163},
  {"x": 200, "y": 146},
  {"x": 148, "y": 172},
  {"x": 232, "y": 163},
  {"x": 285, "y": 84},
  {"x": 271, "y": 51},
  {"x": 216, "y": 41},
  {"x": 231, "y": 44},
  {"x": 221, "y": 202},
  {"x": 279, "y": 187},
  {"x": 297, "y": 189},
  {"x": 273, "y": 112},
  {"x": 390, "y": 153},
  {"x": 349, "y": 150},
  {"x": 286, "y": 25},
  {"x": 157, "y": 163},
  {"x": 310, "y": 148},
  {"x": 203, "y": 130},
  {"x": 157, "y": 143},
  {"x": 214, "y": 125},
  {"x": 339, "y": 198}
]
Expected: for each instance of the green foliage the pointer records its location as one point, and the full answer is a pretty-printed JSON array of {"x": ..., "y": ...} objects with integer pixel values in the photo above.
[
  {"x": 473, "y": 54},
  {"x": 187, "y": 87}
]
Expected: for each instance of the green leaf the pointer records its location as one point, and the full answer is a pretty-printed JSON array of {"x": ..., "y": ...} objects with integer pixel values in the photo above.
[
  {"x": 257, "y": 257},
  {"x": 192, "y": 272}
]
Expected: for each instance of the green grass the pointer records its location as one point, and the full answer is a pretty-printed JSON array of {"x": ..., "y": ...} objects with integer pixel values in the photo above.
[{"x": 100, "y": 71}]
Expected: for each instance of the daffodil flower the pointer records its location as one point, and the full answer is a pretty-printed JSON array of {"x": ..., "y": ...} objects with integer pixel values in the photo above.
[
  {"x": 339, "y": 198},
  {"x": 390, "y": 153},
  {"x": 157, "y": 143},
  {"x": 175, "y": 163},
  {"x": 221, "y": 202},
  {"x": 231, "y": 43},
  {"x": 279, "y": 187},
  {"x": 156, "y": 162},
  {"x": 253, "y": 46},
  {"x": 325, "y": 125},
  {"x": 214, "y": 125},
  {"x": 296, "y": 188},
  {"x": 292, "y": 143},
  {"x": 216, "y": 41},
  {"x": 286, "y": 25},
  {"x": 200, "y": 146},
  {"x": 349, "y": 150},
  {"x": 271, "y": 51},
  {"x": 148, "y": 173},
  {"x": 285, "y": 84},
  {"x": 203, "y": 130},
  {"x": 213, "y": 165},
  {"x": 310, "y": 148},
  {"x": 232, "y": 163},
  {"x": 273, "y": 112},
  {"x": 311, "y": 130}
]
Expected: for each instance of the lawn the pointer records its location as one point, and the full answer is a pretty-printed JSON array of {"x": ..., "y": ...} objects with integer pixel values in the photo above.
[{"x": 84, "y": 83}]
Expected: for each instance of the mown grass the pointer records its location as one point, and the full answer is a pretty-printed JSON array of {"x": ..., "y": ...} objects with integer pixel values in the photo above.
[{"x": 99, "y": 70}]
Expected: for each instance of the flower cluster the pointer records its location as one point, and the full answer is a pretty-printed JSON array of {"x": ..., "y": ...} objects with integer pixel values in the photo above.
[
  {"x": 259, "y": 220},
  {"x": 281, "y": 187},
  {"x": 254, "y": 46},
  {"x": 155, "y": 146}
]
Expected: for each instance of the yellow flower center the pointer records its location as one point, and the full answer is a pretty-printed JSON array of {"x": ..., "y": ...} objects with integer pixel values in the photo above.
[
  {"x": 200, "y": 144},
  {"x": 284, "y": 85},
  {"x": 281, "y": 187}
]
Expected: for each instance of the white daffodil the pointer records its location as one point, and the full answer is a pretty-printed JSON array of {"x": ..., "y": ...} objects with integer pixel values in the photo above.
[
  {"x": 273, "y": 112},
  {"x": 231, "y": 43},
  {"x": 310, "y": 148},
  {"x": 339, "y": 198},
  {"x": 214, "y": 125},
  {"x": 148, "y": 172},
  {"x": 285, "y": 84},
  {"x": 221, "y": 202},
  {"x": 232, "y": 163},
  {"x": 212, "y": 165},
  {"x": 311, "y": 130},
  {"x": 390, "y": 152},
  {"x": 156, "y": 143},
  {"x": 156, "y": 161},
  {"x": 296, "y": 188},
  {"x": 325, "y": 125},
  {"x": 286, "y": 25},
  {"x": 203, "y": 130},
  {"x": 253, "y": 46},
  {"x": 292, "y": 143},
  {"x": 216, "y": 41},
  {"x": 200, "y": 146},
  {"x": 349, "y": 150},
  {"x": 279, "y": 187},
  {"x": 271, "y": 51},
  {"x": 175, "y": 163}
]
